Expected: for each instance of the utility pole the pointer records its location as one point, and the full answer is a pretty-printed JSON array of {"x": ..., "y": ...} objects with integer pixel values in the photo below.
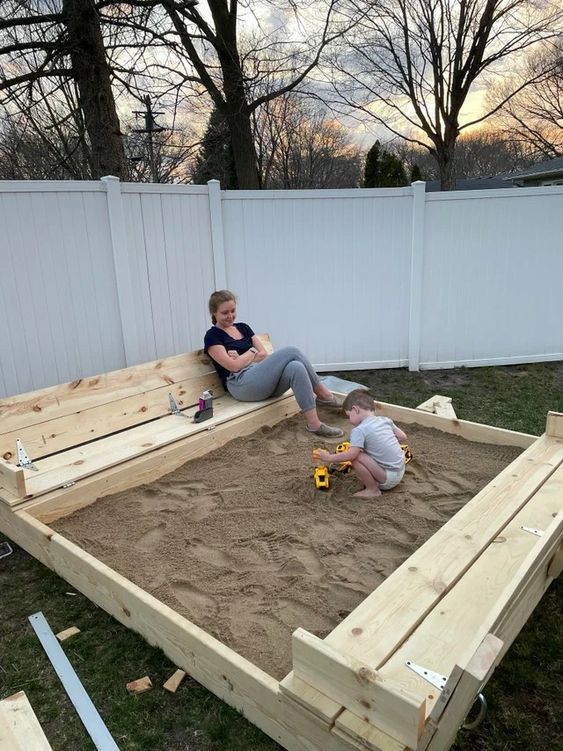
[{"x": 150, "y": 128}]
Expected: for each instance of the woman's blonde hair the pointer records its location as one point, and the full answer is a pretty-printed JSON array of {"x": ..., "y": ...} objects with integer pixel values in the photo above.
[{"x": 218, "y": 298}]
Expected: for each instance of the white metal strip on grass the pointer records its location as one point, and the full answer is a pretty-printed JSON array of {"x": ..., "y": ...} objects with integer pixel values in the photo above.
[{"x": 72, "y": 685}]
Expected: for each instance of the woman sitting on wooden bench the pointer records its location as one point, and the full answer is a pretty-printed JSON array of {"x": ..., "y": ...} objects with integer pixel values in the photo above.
[{"x": 249, "y": 374}]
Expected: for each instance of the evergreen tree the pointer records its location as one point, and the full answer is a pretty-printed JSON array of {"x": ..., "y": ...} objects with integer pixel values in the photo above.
[
  {"x": 383, "y": 169},
  {"x": 215, "y": 160},
  {"x": 416, "y": 174},
  {"x": 371, "y": 169}
]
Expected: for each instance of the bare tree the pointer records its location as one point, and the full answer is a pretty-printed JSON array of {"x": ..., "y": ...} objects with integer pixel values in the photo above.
[
  {"x": 411, "y": 64},
  {"x": 533, "y": 118},
  {"x": 300, "y": 146},
  {"x": 44, "y": 139},
  {"x": 213, "y": 56},
  {"x": 479, "y": 153},
  {"x": 46, "y": 43}
]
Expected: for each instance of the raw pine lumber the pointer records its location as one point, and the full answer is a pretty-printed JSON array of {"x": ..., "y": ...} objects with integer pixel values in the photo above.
[
  {"x": 67, "y": 633},
  {"x": 59, "y": 417},
  {"x": 140, "y": 685},
  {"x": 439, "y": 405},
  {"x": 471, "y": 431},
  {"x": 357, "y": 687},
  {"x": 45, "y": 405},
  {"x": 12, "y": 480},
  {"x": 104, "y": 419},
  {"x": 554, "y": 424},
  {"x": 19, "y": 727},
  {"x": 367, "y": 737},
  {"x": 495, "y": 596},
  {"x": 312, "y": 699},
  {"x": 174, "y": 681},
  {"x": 387, "y": 617}
]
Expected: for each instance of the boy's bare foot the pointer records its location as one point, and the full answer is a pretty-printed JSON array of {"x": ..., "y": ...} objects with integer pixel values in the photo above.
[{"x": 367, "y": 493}]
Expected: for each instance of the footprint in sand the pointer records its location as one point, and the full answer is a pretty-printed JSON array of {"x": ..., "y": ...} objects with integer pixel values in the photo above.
[
  {"x": 152, "y": 538},
  {"x": 192, "y": 597},
  {"x": 215, "y": 557},
  {"x": 295, "y": 613}
]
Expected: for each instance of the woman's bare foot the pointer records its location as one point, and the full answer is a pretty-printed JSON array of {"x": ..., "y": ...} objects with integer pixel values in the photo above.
[{"x": 368, "y": 493}]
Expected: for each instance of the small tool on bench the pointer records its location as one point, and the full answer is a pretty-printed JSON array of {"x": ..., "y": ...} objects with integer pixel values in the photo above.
[{"x": 205, "y": 410}]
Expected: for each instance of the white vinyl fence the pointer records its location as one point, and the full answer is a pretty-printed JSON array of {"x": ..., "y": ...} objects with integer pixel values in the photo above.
[{"x": 96, "y": 276}]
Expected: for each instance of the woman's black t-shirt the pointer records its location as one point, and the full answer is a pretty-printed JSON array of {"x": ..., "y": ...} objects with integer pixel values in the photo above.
[{"x": 215, "y": 335}]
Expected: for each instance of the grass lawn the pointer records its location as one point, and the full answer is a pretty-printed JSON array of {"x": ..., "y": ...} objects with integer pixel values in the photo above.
[{"x": 523, "y": 695}]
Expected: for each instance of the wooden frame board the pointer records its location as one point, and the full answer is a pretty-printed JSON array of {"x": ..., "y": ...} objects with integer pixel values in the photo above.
[{"x": 351, "y": 690}]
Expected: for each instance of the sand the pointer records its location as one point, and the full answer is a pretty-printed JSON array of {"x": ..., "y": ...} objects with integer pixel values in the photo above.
[{"x": 242, "y": 544}]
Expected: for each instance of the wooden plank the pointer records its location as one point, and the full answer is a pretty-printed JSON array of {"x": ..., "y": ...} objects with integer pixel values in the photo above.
[
  {"x": 44, "y": 405},
  {"x": 228, "y": 675},
  {"x": 35, "y": 407},
  {"x": 445, "y": 410},
  {"x": 174, "y": 681},
  {"x": 57, "y": 471},
  {"x": 554, "y": 424},
  {"x": 312, "y": 699},
  {"x": 439, "y": 405},
  {"x": 149, "y": 467},
  {"x": 490, "y": 598},
  {"x": 357, "y": 687},
  {"x": 349, "y": 725},
  {"x": 67, "y": 633},
  {"x": 387, "y": 617},
  {"x": 19, "y": 727},
  {"x": 472, "y": 431},
  {"x": 111, "y": 412},
  {"x": 101, "y": 420},
  {"x": 139, "y": 686},
  {"x": 12, "y": 479}
]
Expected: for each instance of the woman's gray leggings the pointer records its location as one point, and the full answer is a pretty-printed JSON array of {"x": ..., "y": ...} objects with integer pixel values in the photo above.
[{"x": 286, "y": 368}]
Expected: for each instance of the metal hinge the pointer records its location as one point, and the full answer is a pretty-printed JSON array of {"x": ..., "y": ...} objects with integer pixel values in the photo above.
[{"x": 23, "y": 459}]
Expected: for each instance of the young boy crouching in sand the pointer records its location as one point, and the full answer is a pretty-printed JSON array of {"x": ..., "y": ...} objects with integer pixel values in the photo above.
[{"x": 375, "y": 451}]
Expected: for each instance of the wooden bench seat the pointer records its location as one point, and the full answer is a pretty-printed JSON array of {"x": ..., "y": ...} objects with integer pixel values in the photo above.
[
  {"x": 465, "y": 593},
  {"x": 78, "y": 429}
]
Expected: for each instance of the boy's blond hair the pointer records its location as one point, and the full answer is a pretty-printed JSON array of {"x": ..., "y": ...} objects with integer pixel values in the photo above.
[{"x": 359, "y": 398}]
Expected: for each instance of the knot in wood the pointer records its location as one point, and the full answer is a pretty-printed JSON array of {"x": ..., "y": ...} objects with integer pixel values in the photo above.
[{"x": 366, "y": 675}]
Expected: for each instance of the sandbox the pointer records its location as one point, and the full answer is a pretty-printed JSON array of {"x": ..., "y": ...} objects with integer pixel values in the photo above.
[
  {"x": 242, "y": 543},
  {"x": 453, "y": 605}
]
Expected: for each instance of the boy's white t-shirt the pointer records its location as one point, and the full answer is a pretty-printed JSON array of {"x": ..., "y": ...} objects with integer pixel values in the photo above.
[{"x": 376, "y": 437}]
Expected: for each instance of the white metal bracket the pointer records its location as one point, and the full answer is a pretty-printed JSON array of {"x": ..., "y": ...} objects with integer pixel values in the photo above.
[
  {"x": 23, "y": 459},
  {"x": 174, "y": 407},
  {"x": 436, "y": 679},
  {"x": 533, "y": 531}
]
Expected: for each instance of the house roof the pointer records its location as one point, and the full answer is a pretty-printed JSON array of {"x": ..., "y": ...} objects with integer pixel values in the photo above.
[
  {"x": 549, "y": 167},
  {"x": 472, "y": 183}
]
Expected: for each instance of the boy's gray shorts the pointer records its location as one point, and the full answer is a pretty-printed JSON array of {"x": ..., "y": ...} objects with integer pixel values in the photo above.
[{"x": 392, "y": 477}]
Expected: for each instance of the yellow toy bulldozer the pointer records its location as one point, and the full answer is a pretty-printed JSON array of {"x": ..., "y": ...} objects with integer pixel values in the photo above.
[{"x": 322, "y": 473}]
